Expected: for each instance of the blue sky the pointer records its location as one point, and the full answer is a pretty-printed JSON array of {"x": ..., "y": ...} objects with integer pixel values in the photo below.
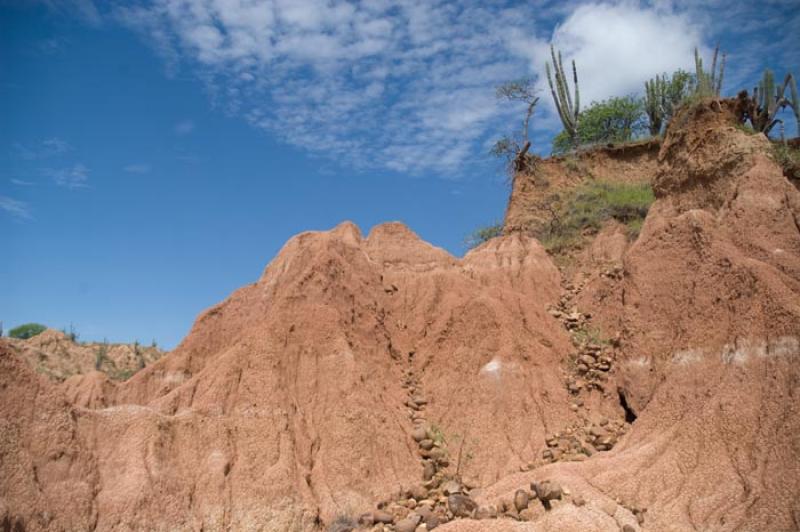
[{"x": 155, "y": 156}]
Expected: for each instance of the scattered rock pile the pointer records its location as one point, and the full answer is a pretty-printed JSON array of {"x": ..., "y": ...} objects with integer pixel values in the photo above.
[
  {"x": 581, "y": 441},
  {"x": 527, "y": 505},
  {"x": 423, "y": 508},
  {"x": 594, "y": 357},
  {"x": 431, "y": 445},
  {"x": 439, "y": 498},
  {"x": 419, "y": 511}
]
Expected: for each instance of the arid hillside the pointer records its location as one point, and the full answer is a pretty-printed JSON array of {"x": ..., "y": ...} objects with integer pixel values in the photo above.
[
  {"x": 58, "y": 356},
  {"x": 378, "y": 383}
]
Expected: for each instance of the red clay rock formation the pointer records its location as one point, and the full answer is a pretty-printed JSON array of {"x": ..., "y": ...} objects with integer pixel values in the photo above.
[
  {"x": 298, "y": 401},
  {"x": 283, "y": 407}
]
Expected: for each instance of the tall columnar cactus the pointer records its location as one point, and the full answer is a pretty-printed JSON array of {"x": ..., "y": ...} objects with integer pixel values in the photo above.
[
  {"x": 568, "y": 112},
  {"x": 655, "y": 102},
  {"x": 663, "y": 94},
  {"x": 709, "y": 83},
  {"x": 767, "y": 100},
  {"x": 795, "y": 103}
]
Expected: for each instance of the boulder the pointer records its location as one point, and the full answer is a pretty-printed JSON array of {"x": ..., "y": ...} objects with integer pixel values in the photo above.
[
  {"x": 521, "y": 500},
  {"x": 419, "y": 434},
  {"x": 380, "y": 516},
  {"x": 451, "y": 486},
  {"x": 547, "y": 490},
  {"x": 409, "y": 524},
  {"x": 461, "y": 505}
]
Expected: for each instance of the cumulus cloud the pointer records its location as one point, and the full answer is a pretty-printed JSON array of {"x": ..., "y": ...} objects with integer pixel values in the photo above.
[
  {"x": 15, "y": 208},
  {"x": 617, "y": 47},
  {"x": 74, "y": 177},
  {"x": 406, "y": 85}
]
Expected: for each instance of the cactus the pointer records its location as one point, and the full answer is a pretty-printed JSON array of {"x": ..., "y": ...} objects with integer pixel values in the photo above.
[
  {"x": 794, "y": 103},
  {"x": 568, "y": 112},
  {"x": 663, "y": 94},
  {"x": 767, "y": 100},
  {"x": 709, "y": 83},
  {"x": 655, "y": 92}
]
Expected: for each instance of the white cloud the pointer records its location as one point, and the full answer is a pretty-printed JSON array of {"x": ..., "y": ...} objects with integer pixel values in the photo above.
[
  {"x": 76, "y": 176},
  {"x": 184, "y": 127},
  {"x": 21, "y": 182},
  {"x": 405, "y": 85},
  {"x": 49, "y": 147},
  {"x": 617, "y": 47},
  {"x": 137, "y": 168},
  {"x": 15, "y": 208}
]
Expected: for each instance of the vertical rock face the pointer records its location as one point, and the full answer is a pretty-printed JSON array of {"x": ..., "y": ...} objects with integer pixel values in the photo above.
[
  {"x": 717, "y": 265},
  {"x": 709, "y": 307}
]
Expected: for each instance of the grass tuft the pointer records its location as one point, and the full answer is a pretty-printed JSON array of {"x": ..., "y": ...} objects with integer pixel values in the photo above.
[
  {"x": 788, "y": 158},
  {"x": 584, "y": 210},
  {"x": 483, "y": 234}
]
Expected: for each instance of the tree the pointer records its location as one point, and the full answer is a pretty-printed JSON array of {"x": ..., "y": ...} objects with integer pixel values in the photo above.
[
  {"x": 613, "y": 120},
  {"x": 569, "y": 113},
  {"x": 521, "y": 90},
  {"x": 27, "y": 330},
  {"x": 663, "y": 94},
  {"x": 514, "y": 148}
]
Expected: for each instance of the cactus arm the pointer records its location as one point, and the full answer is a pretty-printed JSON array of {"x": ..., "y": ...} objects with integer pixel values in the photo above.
[
  {"x": 558, "y": 95},
  {"x": 566, "y": 101},
  {"x": 795, "y": 103},
  {"x": 564, "y": 85},
  {"x": 553, "y": 91},
  {"x": 562, "y": 97},
  {"x": 714, "y": 67},
  {"x": 577, "y": 93},
  {"x": 721, "y": 75},
  {"x": 700, "y": 75}
]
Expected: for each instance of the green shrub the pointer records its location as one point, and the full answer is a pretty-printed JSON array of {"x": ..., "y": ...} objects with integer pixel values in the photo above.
[
  {"x": 438, "y": 435},
  {"x": 483, "y": 234},
  {"x": 101, "y": 355},
  {"x": 611, "y": 121},
  {"x": 788, "y": 158},
  {"x": 123, "y": 374},
  {"x": 27, "y": 330},
  {"x": 585, "y": 209}
]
